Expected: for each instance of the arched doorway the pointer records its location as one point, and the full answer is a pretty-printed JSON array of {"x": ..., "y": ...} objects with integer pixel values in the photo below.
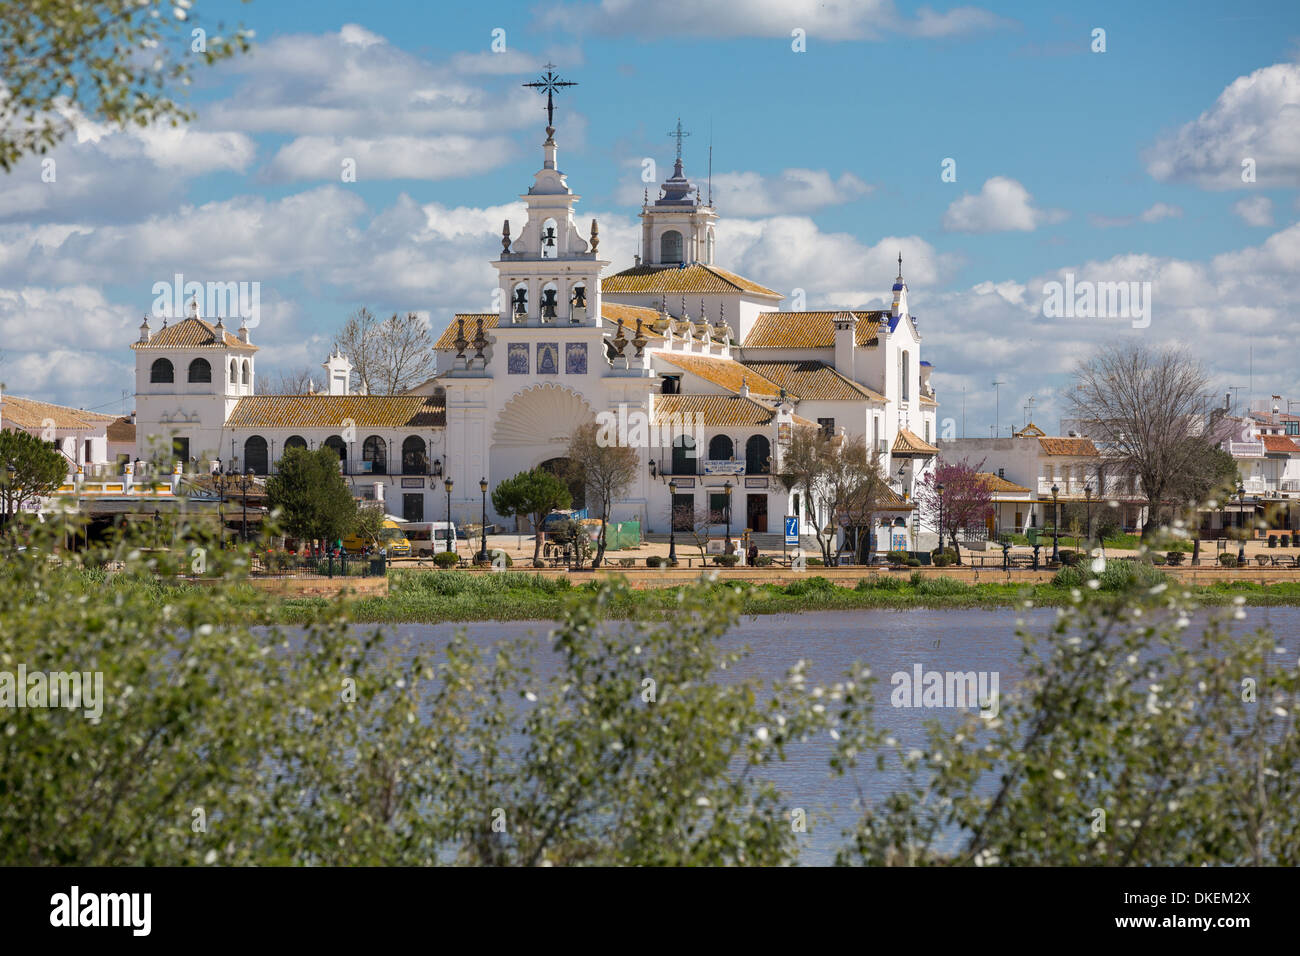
[{"x": 567, "y": 472}]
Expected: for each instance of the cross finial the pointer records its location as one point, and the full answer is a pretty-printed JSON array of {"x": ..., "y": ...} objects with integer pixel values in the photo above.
[
  {"x": 677, "y": 134},
  {"x": 550, "y": 84},
  {"x": 900, "y": 264}
]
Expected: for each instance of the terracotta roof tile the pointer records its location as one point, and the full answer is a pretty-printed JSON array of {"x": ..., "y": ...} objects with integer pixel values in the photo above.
[
  {"x": 1082, "y": 447},
  {"x": 329, "y": 411},
  {"x": 910, "y": 444},
  {"x": 1279, "y": 444},
  {"x": 121, "y": 430},
  {"x": 814, "y": 380},
  {"x": 1000, "y": 485},
  {"x": 716, "y": 410},
  {"x": 193, "y": 333},
  {"x": 641, "y": 280},
  {"x": 807, "y": 330},
  {"x": 28, "y": 413},
  {"x": 723, "y": 372}
]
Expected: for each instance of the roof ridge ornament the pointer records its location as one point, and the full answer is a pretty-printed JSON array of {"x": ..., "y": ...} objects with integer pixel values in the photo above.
[{"x": 550, "y": 84}]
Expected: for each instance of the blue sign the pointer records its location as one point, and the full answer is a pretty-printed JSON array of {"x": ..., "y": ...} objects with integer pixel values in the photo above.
[{"x": 792, "y": 531}]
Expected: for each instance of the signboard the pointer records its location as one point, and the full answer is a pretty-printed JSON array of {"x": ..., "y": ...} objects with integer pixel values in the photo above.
[
  {"x": 792, "y": 531},
  {"x": 755, "y": 482},
  {"x": 715, "y": 546},
  {"x": 722, "y": 466}
]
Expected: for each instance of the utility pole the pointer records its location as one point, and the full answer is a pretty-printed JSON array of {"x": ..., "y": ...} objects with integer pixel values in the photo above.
[
  {"x": 1235, "y": 389},
  {"x": 997, "y": 404}
]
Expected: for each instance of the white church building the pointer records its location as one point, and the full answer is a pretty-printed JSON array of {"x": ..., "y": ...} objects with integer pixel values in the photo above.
[{"x": 676, "y": 341}]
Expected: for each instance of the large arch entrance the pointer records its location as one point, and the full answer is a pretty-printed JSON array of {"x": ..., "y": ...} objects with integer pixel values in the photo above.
[{"x": 571, "y": 475}]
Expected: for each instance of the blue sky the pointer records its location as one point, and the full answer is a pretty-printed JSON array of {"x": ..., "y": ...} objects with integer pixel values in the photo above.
[{"x": 1122, "y": 165}]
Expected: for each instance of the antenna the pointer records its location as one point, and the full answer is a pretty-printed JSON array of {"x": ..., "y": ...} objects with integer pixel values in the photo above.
[
  {"x": 710, "y": 162},
  {"x": 1234, "y": 389},
  {"x": 997, "y": 399},
  {"x": 1029, "y": 407},
  {"x": 963, "y": 411}
]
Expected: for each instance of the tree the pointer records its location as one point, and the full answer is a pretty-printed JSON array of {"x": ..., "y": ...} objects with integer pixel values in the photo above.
[
  {"x": 966, "y": 499},
  {"x": 119, "y": 62},
  {"x": 1142, "y": 405},
  {"x": 295, "y": 381},
  {"x": 39, "y": 468},
  {"x": 313, "y": 495},
  {"x": 1211, "y": 475},
  {"x": 387, "y": 357},
  {"x": 609, "y": 472},
  {"x": 696, "y": 522},
  {"x": 838, "y": 479},
  {"x": 368, "y": 524},
  {"x": 533, "y": 494}
]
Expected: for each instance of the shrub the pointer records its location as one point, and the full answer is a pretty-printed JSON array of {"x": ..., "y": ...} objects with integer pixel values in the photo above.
[
  {"x": 654, "y": 561},
  {"x": 1069, "y": 577},
  {"x": 763, "y": 561},
  {"x": 446, "y": 559},
  {"x": 913, "y": 562},
  {"x": 726, "y": 560},
  {"x": 1272, "y": 541},
  {"x": 1286, "y": 541},
  {"x": 878, "y": 582},
  {"x": 1071, "y": 558},
  {"x": 815, "y": 562},
  {"x": 626, "y": 562},
  {"x": 1228, "y": 560},
  {"x": 805, "y": 586},
  {"x": 940, "y": 585},
  {"x": 898, "y": 557},
  {"x": 1158, "y": 558},
  {"x": 1174, "y": 557}
]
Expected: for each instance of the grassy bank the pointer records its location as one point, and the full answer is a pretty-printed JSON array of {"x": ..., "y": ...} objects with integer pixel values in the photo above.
[{"x": 423, "y": 597}]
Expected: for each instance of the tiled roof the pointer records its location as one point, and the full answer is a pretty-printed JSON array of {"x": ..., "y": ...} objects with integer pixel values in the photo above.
[
  {"x": 814, "y": 380},
  {"x": 723, "y": 372},
  {"x": 1279, "y": 444},
  {"x": 448, "y": 338},
  {"x": 28, "y": 413},
  {"x": 121, "y": 430},
  {"x": 807, "y": 330},
  {"x": 193, "y": 333},
  {"x": 715, "y": 410},
  {"x": 329, "y": 411},
  {"x": 641, "y": 280},
  {"x": 909, "y": 443},
  {"x": 1000, "y": 486},
  {"x": 1082, "y": 447},
  {"x": 1029, "y": 431}
]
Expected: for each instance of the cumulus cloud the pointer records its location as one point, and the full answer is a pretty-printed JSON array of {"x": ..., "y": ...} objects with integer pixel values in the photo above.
[
  {"x": 861, "y": 20},
  {"x": 1001, "y": 205},
  {"x": 1255, "y": 211},
  {"x": 1160, "y": 211},
  {"x": 791, "y": 191},
  {"x": 1256, "y": 121},
  {"x": 388, "y": 157}
]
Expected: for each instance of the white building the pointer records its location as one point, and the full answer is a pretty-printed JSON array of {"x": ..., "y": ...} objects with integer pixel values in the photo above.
[{"x": 675, "y": 341}]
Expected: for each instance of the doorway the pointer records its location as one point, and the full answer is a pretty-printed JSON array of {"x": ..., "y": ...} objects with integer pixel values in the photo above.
[
  {"x": 413, "y": 507},
  {"x": 756, "y": 513}
]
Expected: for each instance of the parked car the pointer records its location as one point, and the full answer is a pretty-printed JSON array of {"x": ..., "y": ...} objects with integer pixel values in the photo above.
[{"x": 430, "y": 537}]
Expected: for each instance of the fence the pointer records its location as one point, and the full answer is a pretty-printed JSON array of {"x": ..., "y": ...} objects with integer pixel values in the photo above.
[{"x": 276, "y": 564}]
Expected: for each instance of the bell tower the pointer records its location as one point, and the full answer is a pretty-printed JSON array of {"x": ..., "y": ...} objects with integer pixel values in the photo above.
[{"x": 677, "y": 228}]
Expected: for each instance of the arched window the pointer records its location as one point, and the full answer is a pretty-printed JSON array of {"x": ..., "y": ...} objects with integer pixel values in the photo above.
[
  {"x": 255, "y": 456},
  {"x": 577, "y": 297},
  {"x": 906, "y": 371},
  {"x": 721, "y": 448},
  {"x": 295, "y": 441},
  {"x": 684, "y": 455},
  {"x": 550, "y": 300},
  {"x": 162, "y": 371},
  {"x": 340, "y": 448},
  {"x": 375, "y": 450},
  {"x": 234, "y": 372},
  {"x": 670, "y": 247},
  {"x": 415, "y": 458},
  {"x": 520, "y": 300},
  {"x": 758, "y": 451},
  {"x": 247, "y": 370},
  {"x": 550, "y": 240},
  {"x": 200, "y": 371}
]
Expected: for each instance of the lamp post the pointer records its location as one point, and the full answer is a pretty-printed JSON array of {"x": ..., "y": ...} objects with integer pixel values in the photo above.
[
  {"x": 672, "y": 520},
  {"x": 727, "y": 488},
  {"x": 1087, "y": 493},
  {"x": 483, "y": 487},
  {"x": 245, "y": 482},
  {"x": 939, "y": 491},
  {"x": 1241, "y": 518},
  {"x": 448, "y": 485},
  {"x": 1056, "y": 526}
]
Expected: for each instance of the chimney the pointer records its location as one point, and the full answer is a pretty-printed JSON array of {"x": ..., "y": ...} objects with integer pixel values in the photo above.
[{"x": 846, "y": 343}]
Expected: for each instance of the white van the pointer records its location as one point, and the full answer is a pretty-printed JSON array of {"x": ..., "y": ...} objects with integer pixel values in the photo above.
[{"x": 430, "y": 537}]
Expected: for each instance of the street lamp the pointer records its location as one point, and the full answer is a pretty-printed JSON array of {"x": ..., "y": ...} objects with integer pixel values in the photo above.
[
  {"x": 1087, "y": 493},
  {"x": 483, "y": 487},
  {"x": 939, "y": 491},
  {"x": 1056, "y": 526},
  {"x": 245, "y": 482},
  {"x": 1241, "y": 512},
  {"x": 727, "y": 488},
  {"x": 672, "y": 519},
  {"x": 448, "y": 485}
]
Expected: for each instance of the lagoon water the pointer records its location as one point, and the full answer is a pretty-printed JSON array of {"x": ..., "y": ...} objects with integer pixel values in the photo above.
[{"x": 832, "y": 641}]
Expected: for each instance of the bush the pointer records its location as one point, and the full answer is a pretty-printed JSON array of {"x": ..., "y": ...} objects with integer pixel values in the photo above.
[
  {"x": 878, "y": 582},
  {"x": 1228, "y": 560},
  {"x": 1174, "y": 557},
  {"x": 1286, "y": 541},
  {"x": 726, "y": 560},
  {"x": 446, "y": 559},
  {"x": 815, "y": 562},
  {"x": 806, "y": 586},
  {"x": 940, "y": 585},
  {"x": 1272, "y": 541},
  {"x": 654, "y": 561},
  {"x": 1071, "y": 558},
  {"x": 1069, "y": 577},
  {"x": 913, "y": 562},
  {"x": 898, "y": 557},
  {"x": 1158, "y": 558}
]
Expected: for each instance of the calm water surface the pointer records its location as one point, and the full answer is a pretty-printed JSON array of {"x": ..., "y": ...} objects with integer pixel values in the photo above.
[{"x": 831, "y": 641}]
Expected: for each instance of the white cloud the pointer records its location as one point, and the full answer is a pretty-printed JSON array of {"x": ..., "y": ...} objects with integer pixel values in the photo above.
[
  {"x": 1156, "y": 213},
  {"x": 1001, "y": 205},
  {"x": 791, "y": 191},
  {"x": 1257, "y": 117},
  {"x": 1254, "y": 211},
  {"x": 860, "y": 20},
  {"x": 388, "y": 157}
]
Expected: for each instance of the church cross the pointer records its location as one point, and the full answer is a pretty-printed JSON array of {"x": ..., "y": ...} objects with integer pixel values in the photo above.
[
  {"x": 550, "y": 84},
  {"x": 677, "y": 134}
]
